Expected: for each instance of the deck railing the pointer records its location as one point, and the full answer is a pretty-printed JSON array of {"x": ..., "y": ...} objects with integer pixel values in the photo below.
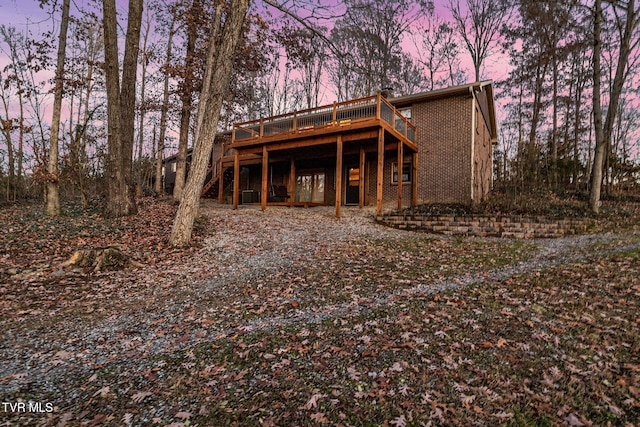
[{"x": 337, "y": 114}]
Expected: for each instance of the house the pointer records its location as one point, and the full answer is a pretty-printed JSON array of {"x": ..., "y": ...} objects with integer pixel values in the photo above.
[
  {"x": 457, "y": 133},
  {"x": 431, "y": 147},
  {"x": 170, "y": 164}
]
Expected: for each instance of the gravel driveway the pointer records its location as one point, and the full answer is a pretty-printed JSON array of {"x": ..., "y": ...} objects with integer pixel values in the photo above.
[{"x": 257, "y": 270}]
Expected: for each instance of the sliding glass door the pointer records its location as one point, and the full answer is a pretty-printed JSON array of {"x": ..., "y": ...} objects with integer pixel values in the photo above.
[{"x": 310, "y": 187}]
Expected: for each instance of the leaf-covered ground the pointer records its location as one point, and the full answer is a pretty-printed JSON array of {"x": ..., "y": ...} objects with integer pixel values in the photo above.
[{"x": 291, "y": 317}]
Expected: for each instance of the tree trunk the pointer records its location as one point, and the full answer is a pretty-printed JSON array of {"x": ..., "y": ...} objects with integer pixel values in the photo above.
[
  {"x": 187, "y": 97},
  {"x": 117, "y": 200},
  {"x": 143, "y": 87},
  {"x": 554, "y": 131},
  {"x": 128, "y": 97},
  {"x": 218, "y": 73},
  {"x": 7, "y": 125},
  {"x": 537, "y": 102},
  {"x": 19, "y": 153},
  {"x": 576, "y": 124},
  {"x": 120, "y": 108},
  {"x": 158, "y": 187},
  {"x": 79, "y": 147},
  {"x": 603, "y": 134},
  {"x": 208, "y": 73},
  {"x": 598, "y": 160},
  {"x": 53, "y": 197}
]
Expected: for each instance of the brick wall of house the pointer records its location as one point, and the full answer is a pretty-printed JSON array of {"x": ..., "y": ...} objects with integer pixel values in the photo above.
[
  {"x": 444, "y": 142},
  {"x": 483, "y": 154},
  {"x": 444, "y": 163},
  {"x": 389, "y": 190}
]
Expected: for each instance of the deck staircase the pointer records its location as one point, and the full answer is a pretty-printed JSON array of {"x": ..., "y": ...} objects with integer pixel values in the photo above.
[{"x": 212, "y": 181}]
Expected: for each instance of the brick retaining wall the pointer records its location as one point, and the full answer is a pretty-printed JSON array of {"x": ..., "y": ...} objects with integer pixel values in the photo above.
[{"x": 518, "y": 227}]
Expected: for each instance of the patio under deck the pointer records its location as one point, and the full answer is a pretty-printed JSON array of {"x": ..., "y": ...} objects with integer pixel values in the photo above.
[{"x": 363, "y": 125}]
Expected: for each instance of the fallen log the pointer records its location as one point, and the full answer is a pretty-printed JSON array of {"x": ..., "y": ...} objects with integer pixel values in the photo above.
[{"x": 95, "y": 260}]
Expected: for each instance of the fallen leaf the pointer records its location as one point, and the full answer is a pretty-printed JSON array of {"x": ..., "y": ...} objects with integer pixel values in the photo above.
[
  {"x": 127, "y": 418},
  {"x": 313, "y": 402},
  {"x": 183, "y": 415},
  {"x": 399, "y": 422},
  {"x": 319, "y": 418},
  {"x": 139, "y": 397},
  {"x": 574, "y": 421},
  {"x": 103, "y": 392}
]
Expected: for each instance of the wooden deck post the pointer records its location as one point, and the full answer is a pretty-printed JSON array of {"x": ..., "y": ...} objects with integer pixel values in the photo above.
[
  {"x": 236, "y": 179},
  {"x": 414, "y": 179},
  {"x": 400, "y": 170},
  {"x": 220, "y": 181},
  {"x": 380, "y": 171},
  {"x": 292, "y": 182},
  {"x": 361, "y": 177},
  {"x": 265, "y": 177},
  {"x": 338, "y": 175}
]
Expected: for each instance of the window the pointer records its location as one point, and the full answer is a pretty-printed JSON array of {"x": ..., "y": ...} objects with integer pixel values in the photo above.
[
  {"x": 354, "y": 177},
  {"x": 406, "y": 172},
  {"x": 310, "y": 187},
  {"x": 406, "y": 112},
  {"x": 173, "y": 166}
]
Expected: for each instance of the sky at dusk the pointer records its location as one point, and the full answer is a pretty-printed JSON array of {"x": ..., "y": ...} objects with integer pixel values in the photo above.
[
  {"x": 26, "y": 15},
  {"x": 29, "y": 18}
]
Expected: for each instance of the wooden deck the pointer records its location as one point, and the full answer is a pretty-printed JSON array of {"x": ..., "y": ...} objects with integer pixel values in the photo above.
[
  {"x": 320, "y": 125},
  {"x": 359, "y": 126}
]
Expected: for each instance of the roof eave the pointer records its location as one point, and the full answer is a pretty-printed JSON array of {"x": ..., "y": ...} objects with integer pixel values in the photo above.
[{"x": 462, "y": 90}]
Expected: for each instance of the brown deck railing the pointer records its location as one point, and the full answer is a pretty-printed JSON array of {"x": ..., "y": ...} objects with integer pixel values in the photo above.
[{"x": 337, "y": 114}]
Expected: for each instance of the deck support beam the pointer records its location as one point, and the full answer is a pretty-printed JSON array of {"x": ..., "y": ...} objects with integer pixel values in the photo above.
[
  {"x": 414, "y": 179},
  {"x": 361, "y": 177},
  {"x": 265, "y": 177},
  {"x": 400, "y": 173},
  {"x": 220, "y": 181},
  {"x": 380, "y": 171},
  {"x": 236, "y": 179},
  {"x": 292, "y": 182},
  {"x": 338, "y": 175}
]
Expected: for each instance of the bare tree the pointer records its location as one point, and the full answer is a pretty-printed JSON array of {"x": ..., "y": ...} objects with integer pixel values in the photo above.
[
  {"x": 306, "y": 52},
  {"x": 121, "y": 108},
  {"x": 53, "y": 197},
  {"x": 371, "y": 35},
  {"x": 84, "y": 77},
  {"x": 627, "y": 16},
  {"x": 186, "y": 97},
  {"x": 7, "y": 125},
  {"x": 479, "y": 26},
  {"x": 438, "y": 52},
  {"x": 147, "y": 54},
  {"x": 224, "y": 37},
  {"x": 164, "y": 109},
  {"x": 16, "y": 76}
]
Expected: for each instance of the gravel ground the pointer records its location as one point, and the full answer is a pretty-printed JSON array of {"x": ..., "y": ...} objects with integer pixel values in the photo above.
[{"x": 127, "y": 317}]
